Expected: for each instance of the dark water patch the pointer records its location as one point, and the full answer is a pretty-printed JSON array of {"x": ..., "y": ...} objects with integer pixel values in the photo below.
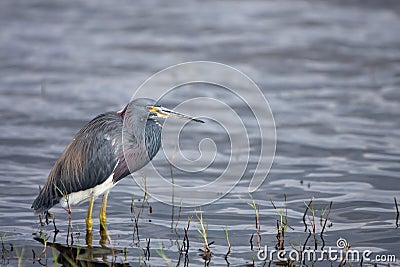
[
  {"x": 20, "y": 142},
  {"x": 23, "y": 159}
]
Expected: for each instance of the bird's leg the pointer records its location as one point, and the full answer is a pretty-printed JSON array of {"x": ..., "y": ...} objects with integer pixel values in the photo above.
[
  {"x": 89, "y": 220},
  {"x": 103, "y": 236},
  {"x": 103, "y": 211},
  {"x": 89, "y": 238},
  {"x": 103, "y": 219},
  {"x": 89, "y": 223}
]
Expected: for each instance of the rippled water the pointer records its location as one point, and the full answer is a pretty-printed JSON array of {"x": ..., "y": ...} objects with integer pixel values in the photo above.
[{"x": 329, "y": 70}]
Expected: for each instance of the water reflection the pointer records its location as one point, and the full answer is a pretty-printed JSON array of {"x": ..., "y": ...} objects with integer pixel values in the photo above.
[{"x": 73, "y": 255}]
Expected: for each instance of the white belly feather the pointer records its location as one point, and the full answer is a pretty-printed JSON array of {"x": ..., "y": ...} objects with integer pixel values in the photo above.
[{"x": 85, "y": 195}]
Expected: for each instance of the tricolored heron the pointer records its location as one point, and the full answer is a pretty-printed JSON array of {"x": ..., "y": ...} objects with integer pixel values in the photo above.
[{"x": 107, "y": 149}]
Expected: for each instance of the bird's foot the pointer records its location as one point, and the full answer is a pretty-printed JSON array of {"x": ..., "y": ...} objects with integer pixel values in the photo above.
[
  {"x": 89, "y": 237},
  {"x": 103, "y": 236}
]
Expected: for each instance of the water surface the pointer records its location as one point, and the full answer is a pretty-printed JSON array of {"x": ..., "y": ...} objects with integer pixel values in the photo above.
[{"x": 329, "y": 70}]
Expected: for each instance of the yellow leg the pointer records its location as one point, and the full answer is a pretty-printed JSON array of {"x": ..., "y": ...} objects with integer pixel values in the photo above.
[
  {"x": 89, "y": 223},
  {"x": 103, "y": 219},
  {"x": 103, "y": 236},
  {"x": 89, "y": 220},
  {"x": 89, "y": 238},
  {"x": 103, "y": 212}
]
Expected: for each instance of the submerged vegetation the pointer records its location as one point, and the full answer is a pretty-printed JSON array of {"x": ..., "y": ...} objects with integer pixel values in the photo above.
[
  {"x": 187, "y": 241},
  {"x": 270, "y": 231}
]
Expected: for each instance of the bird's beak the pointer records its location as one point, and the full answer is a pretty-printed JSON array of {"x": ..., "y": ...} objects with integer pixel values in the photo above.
[{"x": 167, "y": 113}]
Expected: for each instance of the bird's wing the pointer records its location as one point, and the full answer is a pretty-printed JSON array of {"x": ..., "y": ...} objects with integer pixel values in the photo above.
[{"x": 87, "y": 161}]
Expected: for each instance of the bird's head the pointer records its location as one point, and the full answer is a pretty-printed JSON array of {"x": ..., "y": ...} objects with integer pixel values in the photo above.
[
  {"x": 162, "y": 112},
  {"x": 148, "y": 109}
]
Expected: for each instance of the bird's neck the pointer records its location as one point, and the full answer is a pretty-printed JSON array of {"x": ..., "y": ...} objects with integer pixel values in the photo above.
[
  {"x": 133, "y": 131},
  {"x": 152, "y": 137}
]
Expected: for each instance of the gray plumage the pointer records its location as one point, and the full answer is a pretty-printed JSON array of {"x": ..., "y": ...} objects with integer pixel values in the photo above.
[{"x": 113, "y": 143}]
